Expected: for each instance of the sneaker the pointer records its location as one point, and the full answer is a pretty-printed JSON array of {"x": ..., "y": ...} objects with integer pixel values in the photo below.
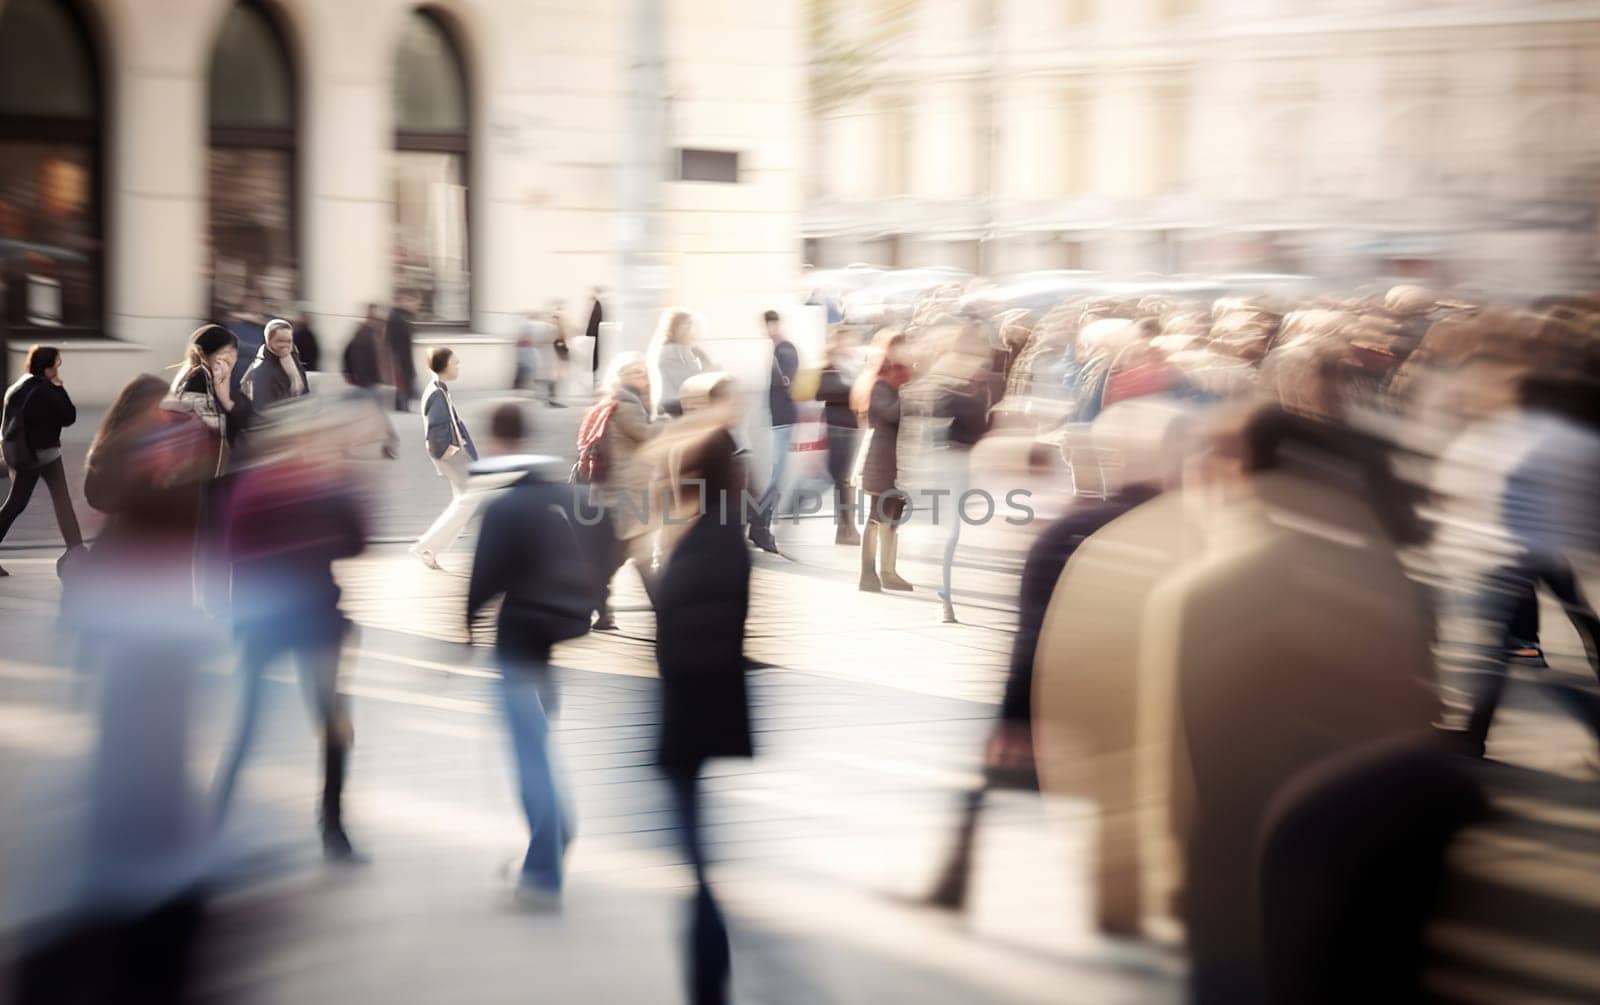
[
  {"x": 604, "y": 624},
  {"x": 536, "y": 899},
  {"x": 336, "y": 848}
]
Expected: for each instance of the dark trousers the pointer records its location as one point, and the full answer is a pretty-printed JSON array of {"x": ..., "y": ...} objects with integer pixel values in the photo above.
[
  {"x": 23, "y": 481},
  {"x": 1505, "y": 603},
  {"x": 710, "y": 958}
]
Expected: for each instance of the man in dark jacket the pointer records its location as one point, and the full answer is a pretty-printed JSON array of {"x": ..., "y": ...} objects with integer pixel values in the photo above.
[
  {"x": 36, "y": 409},
  {"x": 398, "y": 333},
  {"x": 528, "y": 553},
  {"x": 306, "y": 343},
  {"x": 363, "y": 368},
  {"x": 785, "y": 364},
  {"x": 248, "y": 326},
  {"x": 276, "y": 374}
]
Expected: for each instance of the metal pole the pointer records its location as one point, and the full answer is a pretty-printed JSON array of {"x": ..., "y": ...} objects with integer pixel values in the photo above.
[{"x": 644, "y": 270}]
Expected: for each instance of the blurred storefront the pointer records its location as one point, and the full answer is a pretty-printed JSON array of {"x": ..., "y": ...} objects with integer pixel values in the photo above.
[{"x": 163, "y": 164}]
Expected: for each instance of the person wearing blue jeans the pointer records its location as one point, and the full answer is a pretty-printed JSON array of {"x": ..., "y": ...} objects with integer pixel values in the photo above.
[
  {"x": 528, "y": 553},
  {"x": 785, "y": 364},
  {"x": 530, "y": 701}
]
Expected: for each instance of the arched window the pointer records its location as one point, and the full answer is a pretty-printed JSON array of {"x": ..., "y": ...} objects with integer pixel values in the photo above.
[
  {"x": 51, "y": 255},
  {"x": 430, "y": 171},
  {"x": 253, "y": 233}
]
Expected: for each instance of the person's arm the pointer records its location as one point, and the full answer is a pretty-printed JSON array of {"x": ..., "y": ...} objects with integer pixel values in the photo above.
[
  {"x": 441, "y": 438},
  {"x": 885, "y": 404},
  {"x": 64, "y": 412},
  {"x": 491, "y": 562},
  {"x": 630, "y": 422},
  {"x": 788, "y": 360}
]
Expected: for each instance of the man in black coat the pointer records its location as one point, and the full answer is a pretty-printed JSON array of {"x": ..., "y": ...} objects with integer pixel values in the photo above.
[
  {"x": 398, "y": 333},
  {"x": 36, "y": 408},
  {"x": 306, "y": 343},
  {"x": 363, "y": 368},
  {"x": 528, "y": 553}
]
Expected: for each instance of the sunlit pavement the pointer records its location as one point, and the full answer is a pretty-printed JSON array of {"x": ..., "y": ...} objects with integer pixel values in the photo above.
[{"x": 870, "y": 715}]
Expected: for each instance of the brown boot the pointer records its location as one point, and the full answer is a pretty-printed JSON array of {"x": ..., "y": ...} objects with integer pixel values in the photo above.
[
  {"x": 888, "y": 548},
  {"x": 869, "y": 544},
  {"x": 844, "y": 516}
]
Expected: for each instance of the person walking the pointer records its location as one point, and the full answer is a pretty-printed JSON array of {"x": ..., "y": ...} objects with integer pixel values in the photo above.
[
  {"x": 528, "y": 551},
  {"x": 248, "y": 325},
  {"x": 539, "y": 365},
  {"x": 290, "y": 519},
  {"x": 876, "y": 396},
  {"x": 363, "y": 369},
  {"x": 701, "y": 606},
  {"x": 277, "y": 374},
  {"x": 597, "y": 317},
  {"x": 306, "y": 345},
  {"x": 451, "y": 449},
  {"x": 958, "y": 394},
  {"x": 619, "y": 427},
  {"x": 785, "y": 365},
  {"x": 398, "y": 335},
  {"x": 674, "y": 356},
  {"x": 37, "y": 407},
  {"x": 833, "y": 390}
]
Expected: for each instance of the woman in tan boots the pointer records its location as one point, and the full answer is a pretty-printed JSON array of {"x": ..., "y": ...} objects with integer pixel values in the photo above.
[{"x": 876, "y": 397}]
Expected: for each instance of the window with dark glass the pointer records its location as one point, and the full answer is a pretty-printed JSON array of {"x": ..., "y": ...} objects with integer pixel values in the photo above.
[
  {"x": 432, "y": 240},
  {"x": 254, "y": 250},
  {"x": 51, "y": 255},
  {"x": 708, "y": 165}
]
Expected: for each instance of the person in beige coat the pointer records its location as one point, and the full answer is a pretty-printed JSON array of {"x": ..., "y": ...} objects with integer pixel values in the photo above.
[
  {"x": 1294, "y": 638},
  {"x": 627, "y": 493}
]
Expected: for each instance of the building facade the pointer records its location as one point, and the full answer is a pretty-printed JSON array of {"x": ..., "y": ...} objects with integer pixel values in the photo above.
[
  {"x": 1351, "y": 139},
  {"x": 162, "y": 161}
]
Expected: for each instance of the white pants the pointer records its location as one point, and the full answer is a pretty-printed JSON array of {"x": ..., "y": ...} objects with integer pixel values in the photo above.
[{"x": 463, "y": 503}]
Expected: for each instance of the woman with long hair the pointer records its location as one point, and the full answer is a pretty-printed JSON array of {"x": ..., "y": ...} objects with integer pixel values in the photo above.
[
  {"x": 876, "y": 398},
  {"x": 674, "y": 355}
]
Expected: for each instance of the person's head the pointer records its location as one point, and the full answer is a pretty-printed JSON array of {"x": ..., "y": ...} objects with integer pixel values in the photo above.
[
  {"x": 279, "y": 338},
  {"x": 676, "y": 326},
  {"x": 508, "y": 429},
  {"x": 628, "y": 372},
  {"x": 253, "y": 306},
  {"x": 774, "y": 325},
  {"x": 444, "y": 362},
  {"x": 374, "y": 312},
  {"x": 212, "y": 348},
  {"x": 407, "y": 300},
  {"x": 44, "y": 361},
  {"x": 887, "y": 357}
]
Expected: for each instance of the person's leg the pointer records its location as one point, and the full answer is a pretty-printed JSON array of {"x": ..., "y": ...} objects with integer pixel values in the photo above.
[
  {"x": 869, "y": 547},
  {"x": 889, "y": 545},
  {"x": 255, "y": 657},
  {"x": 319, "y": 679},
  {"x": 1557, "y": 574},
  {"x": 1488, "y": 610},
  {"x": 841, "y": 450},
  {"x": 1523, "y": 630},
  {"x": 55, "y": 479},
  {"x": 444, "y": 531},
  {"x": 641, "y": 549},
  {"x": 529, "y": 729},
  {"x": 710, "y": 956},
  {"x": 22, "y": 483}
]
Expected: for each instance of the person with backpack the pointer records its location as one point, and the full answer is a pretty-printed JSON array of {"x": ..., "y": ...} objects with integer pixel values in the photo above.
[
  {"x": 528, "y": 551},
  {"x": 36, "y": 409},
  {"x": 609, "y": 444}
]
